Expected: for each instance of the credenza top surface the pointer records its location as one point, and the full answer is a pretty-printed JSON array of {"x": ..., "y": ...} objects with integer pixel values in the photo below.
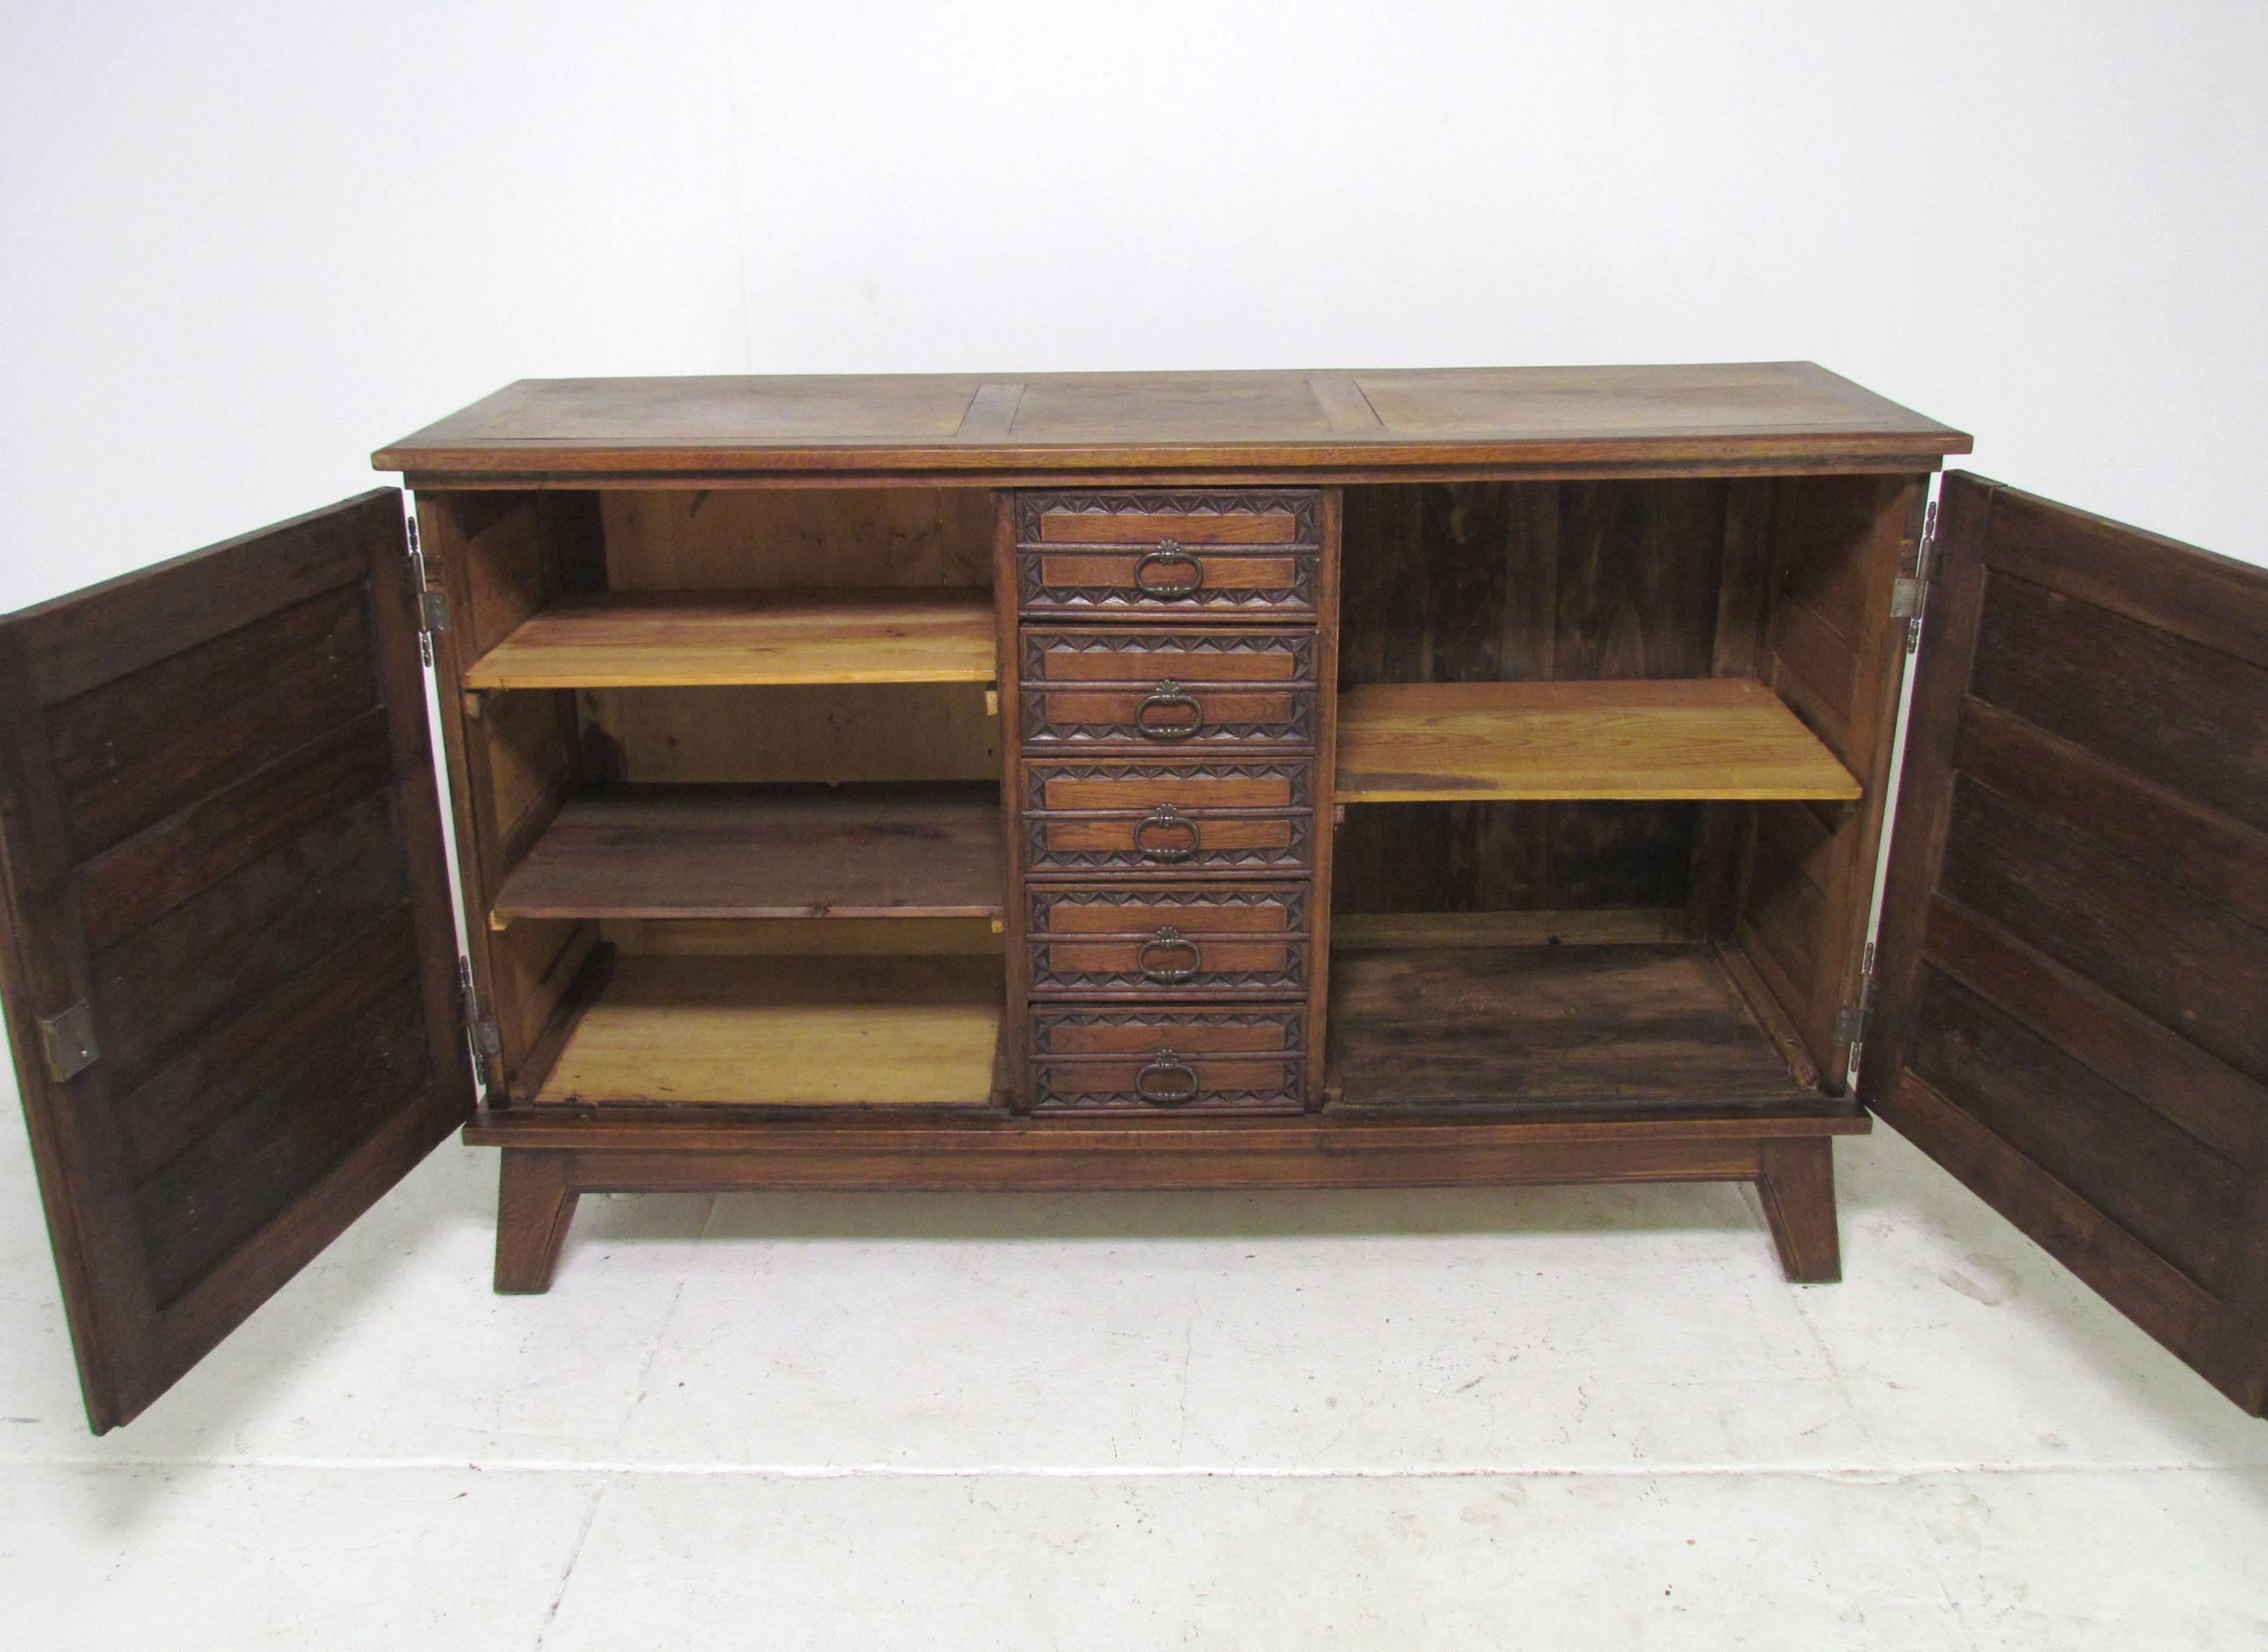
[{"x": 1749, "y": 415}]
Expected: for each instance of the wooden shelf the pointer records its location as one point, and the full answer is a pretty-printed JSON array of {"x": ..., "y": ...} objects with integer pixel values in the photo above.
[
  {"x": 650, "y": 639},
  {"x": 1710, "y": 738},
  {"x": 865, "y": 851},
  {"x": 1550, "y": 1029},
  {"x": 786, "y": 1032}
]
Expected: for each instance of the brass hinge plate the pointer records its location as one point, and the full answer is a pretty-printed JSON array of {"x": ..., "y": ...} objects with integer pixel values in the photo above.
[
  {"x": 432, "y": 606},
  {"x": 66, "y": 1039},
  {"x": 1909, "y": 597},
  {"x": 487, "y": 1040},
  {"x": 1850, "y": 1024}
]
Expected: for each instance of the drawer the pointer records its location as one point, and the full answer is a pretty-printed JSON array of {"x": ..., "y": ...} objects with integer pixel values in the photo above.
[
  {"x": 1166, "y": 1061},
  {"x": 1074, "y": 788},
  {"x": 1171, "y": 1082},
  {"x": 1184, "y": 818},
  {"x": 1065, "y": 1032},
  {"x": 1221, "y": 656},
  {"x": 1164, "y": 554},
  {"x": 1248, "y": 942},
  {"x": 1168, "y": 688}
]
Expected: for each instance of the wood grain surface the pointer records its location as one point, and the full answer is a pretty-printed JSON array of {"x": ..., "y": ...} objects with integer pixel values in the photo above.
[
  {"x": 2075, "y": 931},
  {"x": 1605, "y": 1025},
  {"x": 868, "y": 851},
  {"x": 663, "y": 639},
  {"x": 786, "y": 1032},
  {"x": 913, "y": 424},
  {"x": 223, "y": 841},
  {"x": 1708, "y": 737}
]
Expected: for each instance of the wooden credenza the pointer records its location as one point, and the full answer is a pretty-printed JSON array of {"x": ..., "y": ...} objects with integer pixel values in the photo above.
[{"x": 1195, "y": 781}]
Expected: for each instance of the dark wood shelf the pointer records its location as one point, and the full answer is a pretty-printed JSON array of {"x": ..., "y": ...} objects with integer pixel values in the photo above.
[
  {"x": 1547, "y": 1030},
  {"x": 864, "y": 851},
  {"x": 1715, "y": 737}
]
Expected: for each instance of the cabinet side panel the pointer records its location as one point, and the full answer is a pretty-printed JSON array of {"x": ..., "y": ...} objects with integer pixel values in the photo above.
[
  {"x": 513, "y": 758},
  {"x": 1014, "y": 1064},
  {"x": 1835, "y": 654},
  {"x": 1328, "y": 631}
]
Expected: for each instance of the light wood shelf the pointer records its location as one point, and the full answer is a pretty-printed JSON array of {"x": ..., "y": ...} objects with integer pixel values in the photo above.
[
  {"x": 1710, "y": 738},
  {"x": 657, "y": 639},
  {"x": 787, "y": 1032},
  {"x": 709, "y": 852}
]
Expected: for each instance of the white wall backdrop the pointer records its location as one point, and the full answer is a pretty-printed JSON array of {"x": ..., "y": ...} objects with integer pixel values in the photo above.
[{"x": 241, "y": 245}]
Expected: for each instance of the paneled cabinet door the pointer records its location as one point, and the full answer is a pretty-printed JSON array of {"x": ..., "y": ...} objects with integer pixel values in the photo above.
[
  {"x": 230, "y": 961},
  {"x": 2075, "y": 945}
]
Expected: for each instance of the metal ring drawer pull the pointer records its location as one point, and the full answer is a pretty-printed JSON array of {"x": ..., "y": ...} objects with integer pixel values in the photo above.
[
  {"x": 1169, "y": 552},
  {"x": 1166, "y": 818},
  {"x": 1169, "y": 942},
  {"x": 1169, "y": 694},
  {"x": 1157, "y": 1071}
]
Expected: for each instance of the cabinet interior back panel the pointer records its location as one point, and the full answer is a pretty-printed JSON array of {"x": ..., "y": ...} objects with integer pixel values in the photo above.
[{"x": 1520, "y": 581}]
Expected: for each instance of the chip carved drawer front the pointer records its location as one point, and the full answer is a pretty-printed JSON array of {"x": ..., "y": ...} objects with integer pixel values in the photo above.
[
  {"x": 1181, "y": 818},
  {"x": 1249, "y": 942},
  {"x": 1076, "y": 788},
  {"x": 1169, "y": 1061},
  {"x": 1170, "y": 689},
  {"x": 1167, "y": 554}
]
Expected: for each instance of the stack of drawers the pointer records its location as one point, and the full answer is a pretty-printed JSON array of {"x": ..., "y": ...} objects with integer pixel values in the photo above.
[{"x": 1167, "y": 655}]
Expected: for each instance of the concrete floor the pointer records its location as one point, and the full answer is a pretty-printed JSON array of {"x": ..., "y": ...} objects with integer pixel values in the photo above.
[{"x": 1533, "y": 1417}]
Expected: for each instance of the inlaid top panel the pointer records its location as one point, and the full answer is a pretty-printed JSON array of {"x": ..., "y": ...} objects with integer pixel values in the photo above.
[{"x": 1751, "y": 414}]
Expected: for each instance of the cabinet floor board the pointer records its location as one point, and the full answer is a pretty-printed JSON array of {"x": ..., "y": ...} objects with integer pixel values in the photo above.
[
  {"x": 1550, "y": 1029},
  {"x": 786, "y": 1032}
]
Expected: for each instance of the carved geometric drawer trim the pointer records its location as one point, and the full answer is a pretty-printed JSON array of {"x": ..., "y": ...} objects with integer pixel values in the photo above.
[
  {"x": 1303, "y": 505},
  {"x": 1188, "y": 654},
  {"x": 1297, "y": 729},
  {"x": 1299, "y": 595},
  {"x": 1291, "y": 1022},
  {"x": 1300, "y": 796},
  {"x": 1291, "y": 897},
  {"x": 1289, "y": 1096},
  {"x": 1293, "y": 854},
  {"x": 1291, "y": 977}
]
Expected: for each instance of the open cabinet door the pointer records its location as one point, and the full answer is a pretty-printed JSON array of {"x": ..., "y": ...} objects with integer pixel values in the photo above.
[
  {"x": 2073, "y": 953},
  {"x": 229, "y": 960}
]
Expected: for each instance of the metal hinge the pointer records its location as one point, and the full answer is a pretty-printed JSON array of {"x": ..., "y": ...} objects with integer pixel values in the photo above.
[
  {"x": 432, "y": 606},
  {"x": 486, "y": 1041},
  {"x": 1850, "y": 1025},
  {"x": 1910, "y": 597},
  {"x": 67, "y": 1037}
]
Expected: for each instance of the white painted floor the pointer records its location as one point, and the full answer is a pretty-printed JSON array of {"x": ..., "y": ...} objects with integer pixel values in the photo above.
[{"x": 1555, "y": 1418}]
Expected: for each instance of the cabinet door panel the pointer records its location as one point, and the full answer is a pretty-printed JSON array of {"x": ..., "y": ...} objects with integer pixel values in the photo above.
[
  {"x": 229, "y": 960},
  {"x": 2075, "y": 943}
]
